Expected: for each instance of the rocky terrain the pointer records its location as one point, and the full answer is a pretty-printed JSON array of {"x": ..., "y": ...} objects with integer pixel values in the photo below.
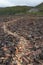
[{"x": 21, "y": 40}]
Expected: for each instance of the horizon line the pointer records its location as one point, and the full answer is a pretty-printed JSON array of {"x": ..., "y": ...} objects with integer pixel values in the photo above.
[{"x": 21, "y": 5}]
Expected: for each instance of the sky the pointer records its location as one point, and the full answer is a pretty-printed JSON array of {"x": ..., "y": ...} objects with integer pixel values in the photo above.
[{"x": 6, "y": 3}]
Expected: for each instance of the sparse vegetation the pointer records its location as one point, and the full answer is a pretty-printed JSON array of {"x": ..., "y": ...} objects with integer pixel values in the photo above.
[
  {"x": 14, "y": 10},
  {"x": 18, "y": 10}
]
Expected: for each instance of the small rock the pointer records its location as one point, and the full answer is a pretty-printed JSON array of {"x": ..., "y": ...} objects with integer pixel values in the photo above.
[{"x": 41, "y": 56}]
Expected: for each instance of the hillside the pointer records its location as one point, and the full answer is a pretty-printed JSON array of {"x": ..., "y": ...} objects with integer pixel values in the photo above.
[
  {"x": 40, "y": 6},
  {"x": 37, "y": 10},
  {"x": 21, "y": 10},
  {"x": 14, "y": 10}
]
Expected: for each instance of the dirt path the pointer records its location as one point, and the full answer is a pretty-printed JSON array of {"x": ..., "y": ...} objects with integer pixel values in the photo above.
[
  {"x": 9, "y": 32},
  {"x": 23, "y": 41}
]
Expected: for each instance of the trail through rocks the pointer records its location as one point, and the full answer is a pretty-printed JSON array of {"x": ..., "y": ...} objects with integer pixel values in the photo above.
[
  {"x": 22, "y": 42},
  {"x": 27, "y": 34}
]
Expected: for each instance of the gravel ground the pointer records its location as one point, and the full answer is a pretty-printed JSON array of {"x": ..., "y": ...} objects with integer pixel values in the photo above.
[{"x": 27, "y": 50}]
